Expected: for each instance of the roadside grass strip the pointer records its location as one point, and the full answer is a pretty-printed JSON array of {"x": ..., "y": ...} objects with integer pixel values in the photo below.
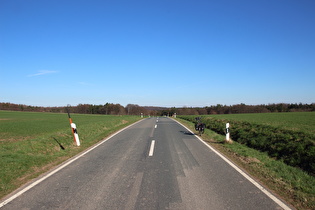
[
  {"x": 33, "y": 184},
  {"x": 292, "y": 184},
  {"x": 33, "y": 143}
]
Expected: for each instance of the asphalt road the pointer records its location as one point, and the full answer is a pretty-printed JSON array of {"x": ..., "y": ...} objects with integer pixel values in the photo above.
[{"x": 128, "y": 171}]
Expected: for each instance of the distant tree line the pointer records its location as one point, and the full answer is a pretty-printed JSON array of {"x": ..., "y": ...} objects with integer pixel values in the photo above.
[
  {"x": 134, "y": 109},
  {"x": 239, "y": 108},
  {"x": 106, "y": 109}
]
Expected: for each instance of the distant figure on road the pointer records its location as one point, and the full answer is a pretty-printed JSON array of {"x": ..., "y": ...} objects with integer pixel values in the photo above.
[{"x": 199, "y": 126}]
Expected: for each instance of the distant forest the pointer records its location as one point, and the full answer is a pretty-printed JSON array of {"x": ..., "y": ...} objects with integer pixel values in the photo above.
[{"x": 134, "y": 109}]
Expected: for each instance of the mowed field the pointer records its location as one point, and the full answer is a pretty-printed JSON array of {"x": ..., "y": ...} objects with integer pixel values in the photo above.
[
  {"x": 297, "y": 121},
  {"x": 31, "y": 143}
]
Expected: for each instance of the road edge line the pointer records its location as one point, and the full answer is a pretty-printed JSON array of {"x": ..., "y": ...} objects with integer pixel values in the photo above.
[
  {"x": 63, "y": 165},
  {"x": 259, "y": 186}
]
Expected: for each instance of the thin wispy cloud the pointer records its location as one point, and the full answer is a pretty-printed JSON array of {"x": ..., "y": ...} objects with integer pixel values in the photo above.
[{"x": 42, "y": 72}]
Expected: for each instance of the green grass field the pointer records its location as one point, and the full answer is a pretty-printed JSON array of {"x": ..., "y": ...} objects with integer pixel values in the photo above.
[
  {"x": 286, "y": 136},
  {"x": 293, "y": 184},
  {"x": 297, "y": 121},
  {"x": 31, "y": 143}
]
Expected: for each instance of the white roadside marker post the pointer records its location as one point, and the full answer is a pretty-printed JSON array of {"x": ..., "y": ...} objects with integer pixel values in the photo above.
[
  {"x": 227, "y": 131},
  {"x": 74, "y": 130},
  {"x": 75, "y": 134}
]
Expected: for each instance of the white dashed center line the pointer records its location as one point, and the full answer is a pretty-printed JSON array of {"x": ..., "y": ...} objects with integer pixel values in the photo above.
[{"x": 152, "y": 148}]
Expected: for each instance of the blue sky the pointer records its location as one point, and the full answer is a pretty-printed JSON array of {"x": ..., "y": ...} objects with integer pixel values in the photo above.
[{"x": 159, "y": 53}]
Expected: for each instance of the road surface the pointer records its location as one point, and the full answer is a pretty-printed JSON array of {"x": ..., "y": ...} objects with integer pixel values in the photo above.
[{"x": 153, "y": 164}]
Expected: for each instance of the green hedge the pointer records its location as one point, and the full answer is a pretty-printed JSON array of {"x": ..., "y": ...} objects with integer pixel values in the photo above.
[{"x": 293, "y": 147}]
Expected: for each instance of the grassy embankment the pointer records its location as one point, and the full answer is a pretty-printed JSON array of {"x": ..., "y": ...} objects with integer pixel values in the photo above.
[
  {"x": 293, "y": 184},
  {"x": 32, "y": 143}
]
